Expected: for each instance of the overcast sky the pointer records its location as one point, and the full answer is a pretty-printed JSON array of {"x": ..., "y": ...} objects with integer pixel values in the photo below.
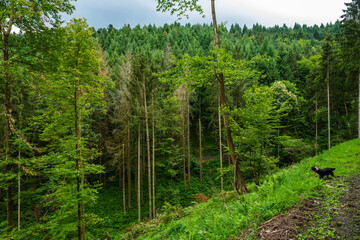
[{"x": 101, "y": 13}]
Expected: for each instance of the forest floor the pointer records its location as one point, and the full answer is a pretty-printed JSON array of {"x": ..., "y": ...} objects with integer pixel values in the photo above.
[{"x": 333, "y": 213}]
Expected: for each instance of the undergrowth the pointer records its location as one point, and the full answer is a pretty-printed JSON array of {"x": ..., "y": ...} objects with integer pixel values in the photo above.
[{"x": 225, "y": 215}]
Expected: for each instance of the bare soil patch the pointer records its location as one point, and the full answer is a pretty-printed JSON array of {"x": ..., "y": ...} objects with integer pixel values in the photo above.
[{"x": 347, "y": 222}]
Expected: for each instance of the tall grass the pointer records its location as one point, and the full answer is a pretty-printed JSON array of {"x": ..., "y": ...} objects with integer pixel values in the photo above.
[{"x": 224, "y": 216}]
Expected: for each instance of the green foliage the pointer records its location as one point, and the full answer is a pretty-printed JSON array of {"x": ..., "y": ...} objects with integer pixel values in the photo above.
[
  {"x": 254, "y": 127},
  {"x": 179, "y": 6},
  {"x": 275, "y": 92},
  {"x": 350, "y": 31},
  {"x": 74, "y": 90},
  {"x": 201, "y": 71}
]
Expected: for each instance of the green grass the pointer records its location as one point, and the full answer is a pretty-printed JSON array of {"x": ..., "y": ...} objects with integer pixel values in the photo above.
[{"x": 225, "y": 216}]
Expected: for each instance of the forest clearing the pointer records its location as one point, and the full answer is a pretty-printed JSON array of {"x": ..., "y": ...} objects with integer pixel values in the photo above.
[{"x": 177, "y": 131}]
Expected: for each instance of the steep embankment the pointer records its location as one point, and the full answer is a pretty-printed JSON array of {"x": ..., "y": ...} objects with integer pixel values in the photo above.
[{"x": 228, "y": 215}]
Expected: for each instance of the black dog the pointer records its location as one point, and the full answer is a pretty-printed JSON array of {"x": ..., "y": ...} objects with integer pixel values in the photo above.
[{"x": 323, "y": 172}]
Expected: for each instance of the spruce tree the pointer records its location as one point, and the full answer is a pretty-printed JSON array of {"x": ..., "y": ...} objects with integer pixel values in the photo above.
[{"x": 350, "y": 41}]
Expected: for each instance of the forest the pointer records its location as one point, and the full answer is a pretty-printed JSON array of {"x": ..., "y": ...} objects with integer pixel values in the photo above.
[{"x": 103, "y": 130}]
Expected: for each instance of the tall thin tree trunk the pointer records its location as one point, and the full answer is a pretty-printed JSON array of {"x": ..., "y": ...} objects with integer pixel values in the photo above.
[
  {"x": 200, "y": 150},
  {"x": 142, "y": 172},
  {"x": 188, "y": 136},
  {"x": 359, "y": 107},
  {"x": 77, "y": 163},
  {"x": 183, "y": 144},
  {"x": 19, "y": 199},
  {"x": 316, "y": 126},
  {"x": 120, "y": 170},
  {"x": 347, "y": 119},
  {"x": 8, "y": 110},
  {"x": 153, "y": 159},
  {"x": 100, "y": 165},
  {"x": 19, "y": 180},
  {"x": 10, "y": 207},
  {"x": 220, "y": 145},
  {"x": 129, "y": 168},
  {"x": 221, "y": 78},
  {"x": 328, "y": 98},
  {"x": 148, "y": 147},
  {"x": 138, "y": 178},
  {"x": 123, "y": 178}
]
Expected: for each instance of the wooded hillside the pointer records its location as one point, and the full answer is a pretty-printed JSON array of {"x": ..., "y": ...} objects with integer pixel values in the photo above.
[{"x": 102, "y": 128}]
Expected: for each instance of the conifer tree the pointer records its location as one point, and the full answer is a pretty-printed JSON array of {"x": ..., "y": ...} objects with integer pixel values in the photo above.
[
  {"x": 326, "y": 59},
  {"x": 350, "y": 41}
]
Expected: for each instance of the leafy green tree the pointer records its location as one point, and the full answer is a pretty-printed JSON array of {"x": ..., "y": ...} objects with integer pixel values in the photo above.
[
  {"x": 255, "y": 129},
  {"x": 71, "y": 94},
  {"x": 200, "y": 71},
  {"x": 286, "y": 100},
  {"x": 35, "y": 19},
  {"x": 181, "y": 9}
]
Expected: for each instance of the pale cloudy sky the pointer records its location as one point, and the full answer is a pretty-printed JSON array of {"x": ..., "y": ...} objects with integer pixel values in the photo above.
[{"x": 101, "y": 13}]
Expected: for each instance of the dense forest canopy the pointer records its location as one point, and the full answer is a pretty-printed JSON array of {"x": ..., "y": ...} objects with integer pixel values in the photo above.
[{"x": 108, "y": 127}]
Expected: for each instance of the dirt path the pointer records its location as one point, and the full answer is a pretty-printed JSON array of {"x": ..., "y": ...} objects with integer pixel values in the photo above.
[
  {"x": 347, "y": 222},
  {"x": 333, "y": 214}
]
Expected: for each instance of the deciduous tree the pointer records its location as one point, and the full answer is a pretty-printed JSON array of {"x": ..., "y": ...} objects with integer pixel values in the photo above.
[{"x": 31, "y": 18}]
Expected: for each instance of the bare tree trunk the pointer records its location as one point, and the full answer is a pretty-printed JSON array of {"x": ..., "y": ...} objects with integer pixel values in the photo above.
[
  {"x": 220, "y": 145},
  {"x": 188, "y": 136},
  {"x": 123, "y": 178},
  {"x": 347, "y": 119},
  {"x": 359, "y": 108},
  {"x": 8, "y": 110},
  {"x": 142, "y": 172},
  {"x": 316, "y": 126},
  {"x": 138, "y": 178},
  {"x": 82, "y": 183},
  {"x": 328, "y": 98},
  {"x": 200, "y": 150},
  {"x": 221, "y": 78},
  {"x": 148, "y": 147},
  {"x": 79, "y": 164},
  {"x": 120, "y": 171},
  {"x": 19, "y": 194},
  {"x": 19, "y": 181},
  {"x": 129, "y": 168},
  {"x": 153, "y": 159},
  {"x": 100, "y": 160},
  {"x": 183, "y": 144}
]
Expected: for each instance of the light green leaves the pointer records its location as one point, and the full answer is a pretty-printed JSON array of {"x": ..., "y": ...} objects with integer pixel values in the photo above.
[
  {"x": 180, "y": 7},
  {"x": 198, "y": 71}
]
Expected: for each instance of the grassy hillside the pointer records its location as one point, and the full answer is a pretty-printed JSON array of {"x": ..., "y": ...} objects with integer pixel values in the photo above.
[{"x": 224, "y": 216}]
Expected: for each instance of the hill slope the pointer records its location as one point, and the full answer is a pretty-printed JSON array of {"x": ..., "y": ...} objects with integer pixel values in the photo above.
[
  {"x": 227, "y": 215},
  {"x": 333, "y": 213}
]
